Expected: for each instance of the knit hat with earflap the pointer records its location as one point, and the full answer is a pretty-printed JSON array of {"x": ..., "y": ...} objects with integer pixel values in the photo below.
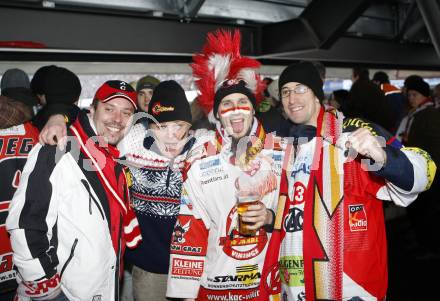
[{"x": 304, "y": 73}]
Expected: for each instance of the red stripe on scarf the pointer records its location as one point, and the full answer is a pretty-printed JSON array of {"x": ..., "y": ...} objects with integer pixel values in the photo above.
[
  {"x": 320, "y": 259},
  {"x": 270, "y": 283},
  {"x": 115, "y": 188}
]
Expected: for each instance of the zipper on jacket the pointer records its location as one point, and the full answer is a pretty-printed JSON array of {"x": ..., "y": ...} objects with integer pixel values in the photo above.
[
  {"x": 72, "y": 252},
  {"x": 91, "y": 197}
]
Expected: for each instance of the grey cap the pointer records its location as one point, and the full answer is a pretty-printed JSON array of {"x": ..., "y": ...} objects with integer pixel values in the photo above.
[{"x": 15, "y": 78}]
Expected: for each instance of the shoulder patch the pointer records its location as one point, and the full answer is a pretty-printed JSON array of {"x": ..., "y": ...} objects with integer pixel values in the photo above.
[{"x": 352, "y": 124}]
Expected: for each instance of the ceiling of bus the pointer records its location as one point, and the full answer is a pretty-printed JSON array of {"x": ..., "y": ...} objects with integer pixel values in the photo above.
[{"x": 379, "y": 33}]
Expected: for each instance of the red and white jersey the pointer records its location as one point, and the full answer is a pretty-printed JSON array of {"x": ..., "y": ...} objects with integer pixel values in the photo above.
[
  {"x": 210, "y": 260},
  {"x": 15, "y": 144},
  {"x": 365, "y": 245}
]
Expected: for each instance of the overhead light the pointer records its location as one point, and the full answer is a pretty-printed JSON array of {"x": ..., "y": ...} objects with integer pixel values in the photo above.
[{"x": 48, "y": 4}]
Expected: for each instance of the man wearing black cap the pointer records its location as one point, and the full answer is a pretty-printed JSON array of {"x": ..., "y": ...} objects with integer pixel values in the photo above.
[
  {"x": 334, "y": 244},
  {"x": 70, "y": 219},
  {"x": 156, "y": 160}
]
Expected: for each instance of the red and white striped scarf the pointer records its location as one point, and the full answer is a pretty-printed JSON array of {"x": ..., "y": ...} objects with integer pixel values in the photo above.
[{"x": 323, "y": 220}]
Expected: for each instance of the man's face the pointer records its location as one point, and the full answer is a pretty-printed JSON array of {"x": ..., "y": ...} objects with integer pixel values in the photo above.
[
  {"x": 415, "y": 98},
  {"x": 143, "y": 99},
  {"x": 111, "y": 118},
  {"x": 236, "y": 114},
  {"x": 170, "y": 137},
  {"x": 300, "y": 104}
]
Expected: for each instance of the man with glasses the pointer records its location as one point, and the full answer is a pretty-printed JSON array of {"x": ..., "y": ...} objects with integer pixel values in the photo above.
[{"x": 333, "y": 242}]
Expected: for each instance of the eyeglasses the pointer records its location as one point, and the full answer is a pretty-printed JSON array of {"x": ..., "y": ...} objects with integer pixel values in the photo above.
[{"x": 300, "y": 89}]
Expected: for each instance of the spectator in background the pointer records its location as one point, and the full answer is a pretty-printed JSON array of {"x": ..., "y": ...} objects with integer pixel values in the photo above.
[
  {"x": 422, "y": 129},
  {"x": 60, "y": 89},
  {"x": 367, "y": 101},
  {"x": 144, "y": 88},
  {"x": 37, "y": 85},
  {"x": 18, "y": 101},
  {"x": 17, "y": 136},
  {"x": 409, "y": 80},
  {"x": 418, "y": 93},
  {"x": 394, "y": 97}
]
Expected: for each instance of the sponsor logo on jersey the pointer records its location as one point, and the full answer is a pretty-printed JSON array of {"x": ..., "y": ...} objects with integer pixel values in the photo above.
[
  {"x": 179, "y": 232},
  {"x": 181, "y": 242},
  {"x": 357, "y": 218},
  {"x": 294, "y": 220},
  {"x": 185, "y": 267},
  {"x": 240, "y": 247},
  {"x": 292, "y": 270},
  {"x": 215, "y": 179},
  {"x": 212, "y": 171},
  {"x": 302, "y": 168},
  {"x": 209, "y": 164},
  {"x": 247, "y": 274}
]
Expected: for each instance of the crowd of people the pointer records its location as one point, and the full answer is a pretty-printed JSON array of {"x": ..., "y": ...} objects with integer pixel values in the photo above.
[{"x": 138, "y": 197}]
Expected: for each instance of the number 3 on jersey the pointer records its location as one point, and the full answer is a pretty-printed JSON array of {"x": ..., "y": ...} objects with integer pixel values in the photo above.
[{"x": 298, "y": 193}]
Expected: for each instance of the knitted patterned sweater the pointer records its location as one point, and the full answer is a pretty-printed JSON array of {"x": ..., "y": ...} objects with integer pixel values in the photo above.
[{"x": 155, "y": 197}]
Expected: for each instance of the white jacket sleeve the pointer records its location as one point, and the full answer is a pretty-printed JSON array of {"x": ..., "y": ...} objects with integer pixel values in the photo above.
[
  {"x": 32, "y": 225},
  {"x": 419, "y": 177}
]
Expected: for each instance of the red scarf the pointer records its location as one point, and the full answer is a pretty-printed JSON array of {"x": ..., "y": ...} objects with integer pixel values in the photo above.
[
  {"x": 323, "y": 220},
  {"x": 115, "y": 186}
]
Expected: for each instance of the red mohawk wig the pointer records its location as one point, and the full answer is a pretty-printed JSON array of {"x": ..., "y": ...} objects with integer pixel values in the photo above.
[{"x": 219, "y": 61}]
